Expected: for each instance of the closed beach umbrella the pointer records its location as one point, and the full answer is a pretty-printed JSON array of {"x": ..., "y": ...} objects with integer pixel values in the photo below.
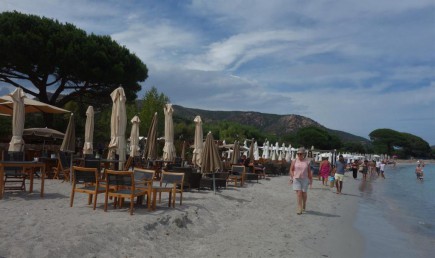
[
  {"x": 266, "y": 150},
  {"x": 150, "y": 151},
  {"x": 134, "y": 137},
  {"x": 198, "y": 143},
  {"x": 88, "y": 147},
  {"x": 236, "y": 153},
  {"x": 69, "y": 140},
  {"x": 251, "y": 151},
  {"x": 256, "y": 154},
  {"x": 245, "y": 148},
  {"x": 280, "y": 156},
  {"x": 210, "y": 158},
  {"x": 288, "y": 156},
  {"x": 274, "y": 150},
  {"x": 169, "y": 148},
  {"x": 17, "y": 142},
  {"x": 118, "y": 123},
  {"x": 210, "y": 155}
]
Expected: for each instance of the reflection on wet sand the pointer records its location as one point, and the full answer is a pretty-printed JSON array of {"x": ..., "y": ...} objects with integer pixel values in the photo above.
[{"x": 365, "y": 186}]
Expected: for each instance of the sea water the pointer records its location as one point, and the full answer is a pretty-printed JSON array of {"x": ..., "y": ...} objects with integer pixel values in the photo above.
[{"x": 396, "y": 215}]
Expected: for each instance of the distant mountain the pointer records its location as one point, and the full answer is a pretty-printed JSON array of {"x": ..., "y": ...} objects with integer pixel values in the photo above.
[{"x": 269, "y": 123}]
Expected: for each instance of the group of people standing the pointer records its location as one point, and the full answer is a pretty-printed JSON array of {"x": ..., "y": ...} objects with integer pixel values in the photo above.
[
  {"x": 368, "y": 168},
  {"x": 301, "y": 175}
]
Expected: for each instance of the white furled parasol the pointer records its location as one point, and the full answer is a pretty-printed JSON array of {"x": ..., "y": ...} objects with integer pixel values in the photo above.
[
  {"x": 134, "y": 137},
  {"x": 118, "y": 123},
  {"x": 18, "y": 117},
  {"x": 88, "y": 147},
  {"x": 198, "y": 143},
  {"x": 169, "y": 148}
]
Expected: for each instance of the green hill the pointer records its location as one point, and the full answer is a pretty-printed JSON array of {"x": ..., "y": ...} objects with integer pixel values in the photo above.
[{"x": 270, "y": 123}]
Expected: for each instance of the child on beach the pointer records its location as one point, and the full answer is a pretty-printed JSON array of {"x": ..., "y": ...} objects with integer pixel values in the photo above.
[
  {"x": 332, "y": 177},
  {"x": 382, "y": 168}
]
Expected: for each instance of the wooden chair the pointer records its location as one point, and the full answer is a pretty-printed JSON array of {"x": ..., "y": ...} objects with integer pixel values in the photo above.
[
  {"x": 237, "y": 175},
  {"x": 260, "y": 172},
  {"x": 63, "y": 167},
  {"x": 168, "y": 183},
  {"x": 128, "y": 164},
  {"x": 121, "y": 185},
  {"x": 250, "y": 174},
  {"x": 143, "y": 179},
  {"x": 93, "y": 163},
  {"x": 187, "y": 175},
  {"x": 220, "y": 180},
  {"x": 15, "y": 177},
  {"x": 86, "y": 180}
]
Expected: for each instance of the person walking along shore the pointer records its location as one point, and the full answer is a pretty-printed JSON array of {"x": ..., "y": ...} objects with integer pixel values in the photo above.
[
  {"x": 339, "y": 173},
  {"x": 301, "y": 177}
]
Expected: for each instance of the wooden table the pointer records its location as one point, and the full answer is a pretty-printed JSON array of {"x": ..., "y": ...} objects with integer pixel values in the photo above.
[{"x": 26, "y": 166}]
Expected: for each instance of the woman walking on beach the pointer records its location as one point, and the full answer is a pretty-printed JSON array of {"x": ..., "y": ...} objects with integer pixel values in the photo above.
[
  {"x": 301, "y": 177},
  {"x": 324, "y": 170}
]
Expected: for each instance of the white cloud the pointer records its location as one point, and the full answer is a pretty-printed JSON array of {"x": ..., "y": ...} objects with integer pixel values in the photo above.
[
  {"x": 158, "y": 45},
  {"x": 350, "y": 65},
  {"x": 234, "y": 51},
  {"x": 413, "y": 73}
]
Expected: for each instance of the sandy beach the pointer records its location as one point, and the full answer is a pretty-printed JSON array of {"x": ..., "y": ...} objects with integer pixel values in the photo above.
[{"x": 257, "y": 220}]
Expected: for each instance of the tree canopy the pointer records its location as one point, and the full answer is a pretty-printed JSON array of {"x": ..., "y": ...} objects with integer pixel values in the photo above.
[
  {"x": 153, "y": 102},
  {"x": 231, "y": 131},
  {"x": 57, "y": 63},
  {"x": 314, "y": 136},
  {"x": 403, "y": 144}
]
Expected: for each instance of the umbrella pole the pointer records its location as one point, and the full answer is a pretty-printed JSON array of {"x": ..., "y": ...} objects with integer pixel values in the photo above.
[
  {"x": 214, "y": 184},
  {"x": 70, "y": 168}
]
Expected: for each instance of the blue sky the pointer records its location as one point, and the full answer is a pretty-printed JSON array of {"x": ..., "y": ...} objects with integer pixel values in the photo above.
[{"x": 350, "y": 65}]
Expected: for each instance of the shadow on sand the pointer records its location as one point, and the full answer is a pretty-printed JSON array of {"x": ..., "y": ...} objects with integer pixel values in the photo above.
[{"x": 318, "y": 213}]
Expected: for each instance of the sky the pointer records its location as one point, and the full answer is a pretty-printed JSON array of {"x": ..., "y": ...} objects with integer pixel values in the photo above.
[{"x": 350, "y": 65}]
